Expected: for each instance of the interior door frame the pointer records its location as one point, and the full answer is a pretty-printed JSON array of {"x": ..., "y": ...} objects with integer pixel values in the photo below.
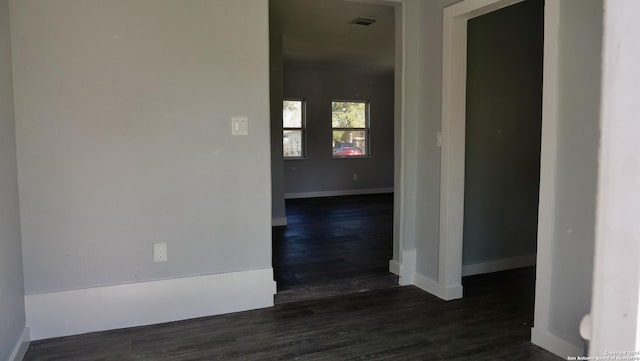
[
  {"x": 452, "y": 138},
  {"x": 455, "y": 20},
  {"x": 454, "y": 84}
]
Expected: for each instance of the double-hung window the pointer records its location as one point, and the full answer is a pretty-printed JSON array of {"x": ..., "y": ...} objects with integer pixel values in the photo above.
[
  {"x": 350, "y": 127},
  {"x": 293, "y": 136}
]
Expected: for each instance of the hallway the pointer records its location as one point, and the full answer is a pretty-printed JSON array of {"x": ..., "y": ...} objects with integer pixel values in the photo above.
[{"x": 333, "y": 246}]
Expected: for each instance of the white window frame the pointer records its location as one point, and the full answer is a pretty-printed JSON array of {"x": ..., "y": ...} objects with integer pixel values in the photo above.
[
  {"x": 367, "y": 122},
  {"x": 302, "y": 129}
]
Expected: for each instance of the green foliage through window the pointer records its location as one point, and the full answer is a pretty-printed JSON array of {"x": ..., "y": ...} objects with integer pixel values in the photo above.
[
  {"x": 292, "y": 129},
  {"x": 348, "y": 115},
  {"x": 350, "y": 123}
]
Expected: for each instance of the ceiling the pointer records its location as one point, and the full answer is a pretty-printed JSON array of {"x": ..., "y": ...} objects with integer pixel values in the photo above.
[{"x": 320, "y": 30}]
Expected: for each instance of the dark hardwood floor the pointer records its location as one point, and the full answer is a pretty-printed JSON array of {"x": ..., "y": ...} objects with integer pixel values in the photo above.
[
  {"x": 492, "y": 322},
  {"x": 334, "y": 246}
]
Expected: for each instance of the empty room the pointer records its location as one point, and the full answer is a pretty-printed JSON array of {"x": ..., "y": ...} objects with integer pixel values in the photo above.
[
  {"x": 332, "y": 104},
  {"x": 148, "y": 167}
]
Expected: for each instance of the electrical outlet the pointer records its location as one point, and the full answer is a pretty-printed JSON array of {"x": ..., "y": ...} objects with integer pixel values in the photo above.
[
  {"x": 160, "y": 252},
  {"x": 355, "y": 176},
  {"x": 239, "y": 126}
]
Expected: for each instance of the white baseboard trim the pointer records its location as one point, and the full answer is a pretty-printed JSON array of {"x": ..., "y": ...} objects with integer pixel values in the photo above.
[
  {"x": 407, "y": 268},
  {"x": 21, "y": 346},
  {"x": 347, "y": 192},
  {"x": 433, "y": 287},
  {"x": 498, "y": 265},
  {"x": 111, "y": 307},
  {"x": 409, "y": 276},
  {"x": 554, "y": 344},
  {"x": 394, "y": 267},
  {"x": 280, "y": 221}
]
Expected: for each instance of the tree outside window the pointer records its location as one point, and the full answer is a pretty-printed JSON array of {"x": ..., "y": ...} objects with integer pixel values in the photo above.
[
  {"x": 350, "y": 126},
  {"x": 293, "y": 128}
]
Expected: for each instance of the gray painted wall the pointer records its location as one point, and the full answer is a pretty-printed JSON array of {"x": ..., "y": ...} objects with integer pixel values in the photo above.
[
  {"x": 319, "y": 84},
  {"x": 124, "y": 139},
  {"x": 581, "y": 32},
  {"x": 503, "y": 125},
  {"x": 275, "y": 98},
  {"x": 12, "y": 317},
  {"x": 576, "y": 180},
  {"x": 423, "y": 118}
]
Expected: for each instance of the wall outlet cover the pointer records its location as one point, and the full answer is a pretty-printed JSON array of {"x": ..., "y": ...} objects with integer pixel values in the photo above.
[
  {"x": 160, "y": 252},
  {"x": 239, "y": 126}
]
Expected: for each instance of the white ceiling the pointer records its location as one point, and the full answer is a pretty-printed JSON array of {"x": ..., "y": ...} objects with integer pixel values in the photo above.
[{"x": 320, "y": 30}]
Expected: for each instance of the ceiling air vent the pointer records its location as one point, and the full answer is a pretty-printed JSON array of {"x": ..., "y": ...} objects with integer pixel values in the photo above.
[{"x": 363, "y": 21}]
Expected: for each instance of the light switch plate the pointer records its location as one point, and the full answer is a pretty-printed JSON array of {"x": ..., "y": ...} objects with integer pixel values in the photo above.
[
  {"x": 160, "y": 252},
  {"x": 239, "y": 126}
]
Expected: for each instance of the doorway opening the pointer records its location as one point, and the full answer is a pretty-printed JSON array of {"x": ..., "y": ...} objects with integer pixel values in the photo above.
[
  {"x": 491, "y": 138},
  {"x": 334, "y": 85},
  {"x": 333, "y": 246}
]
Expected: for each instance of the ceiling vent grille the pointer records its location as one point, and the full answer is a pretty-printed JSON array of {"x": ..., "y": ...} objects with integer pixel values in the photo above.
[{"x": 362, "y": 21}]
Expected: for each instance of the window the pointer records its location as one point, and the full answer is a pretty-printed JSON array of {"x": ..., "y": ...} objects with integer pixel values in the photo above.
[
  {"x": 350, "y": 123},
  {"x": 293, "y": 128}
]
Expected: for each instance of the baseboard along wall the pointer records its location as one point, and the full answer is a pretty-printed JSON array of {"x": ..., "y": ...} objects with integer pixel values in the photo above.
[
  {"x": 81, "y": 311},
  {"x": 280, "y": 221},
  {"x": 338, "y": 193},
  {"x": 555, "y": 344},
  {"x": 21, "y": 346},
  {"x": 498, "y": 265},
  {"x": 433, "y": 287},
  {"x": 409, "y": 276},
  {"x": 394, "y": 267}
]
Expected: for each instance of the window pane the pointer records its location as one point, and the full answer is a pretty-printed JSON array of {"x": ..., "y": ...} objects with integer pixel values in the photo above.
[
  {"x": 292, "y": 114},
  {"x": 349, "y": 143},
  {"x": 292, "y": 143},
  {"x": 348, "y": 115}
]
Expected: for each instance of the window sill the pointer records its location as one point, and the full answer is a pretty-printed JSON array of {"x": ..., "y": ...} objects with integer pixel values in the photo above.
[{"x": 352, "y": 157}]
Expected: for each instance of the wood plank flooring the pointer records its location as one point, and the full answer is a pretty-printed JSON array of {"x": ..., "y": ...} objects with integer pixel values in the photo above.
[
  {"x": 334, "y": 246},
  {"x": 492, "y": 322}
]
